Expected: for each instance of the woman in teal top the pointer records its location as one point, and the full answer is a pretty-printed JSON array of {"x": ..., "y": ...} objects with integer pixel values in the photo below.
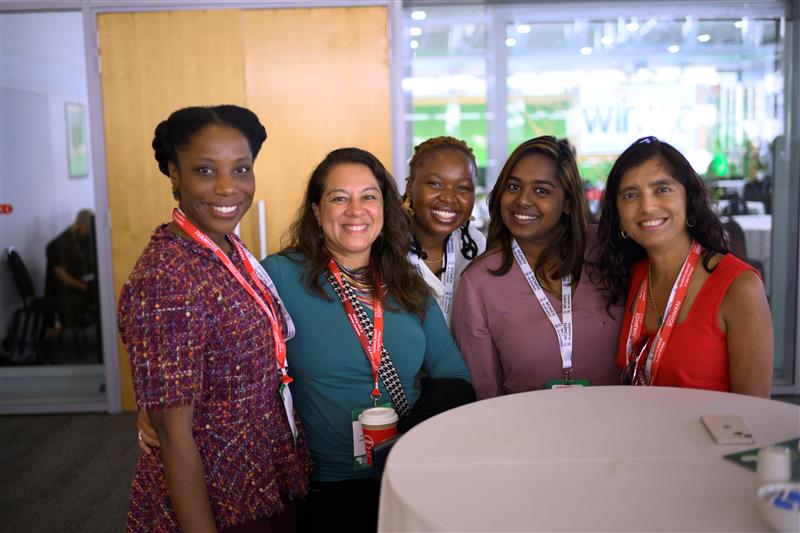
[
  {"x": 332, "y": 374},
  {"x": 352, "y": 222}
]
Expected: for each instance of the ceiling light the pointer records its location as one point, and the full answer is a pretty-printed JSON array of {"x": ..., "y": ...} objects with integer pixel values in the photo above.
[
  {"x": 586, "y": 50},
  {"x": 704, "y": 37},
  {"x": 511, "y": 42},
  {"x": 673, "y": 49},
  {"x": 418, "y": 15},
  {"x": 415, "y": 31},
  {"x": 414, "y": 45},
  {"x": 632, "y": 25},
  {"x": 607, "y": 40},
  {"x": 523, "y": 28}
]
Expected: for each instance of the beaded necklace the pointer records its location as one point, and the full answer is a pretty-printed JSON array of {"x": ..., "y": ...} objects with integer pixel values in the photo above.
[{"x": 360, "y": 280}]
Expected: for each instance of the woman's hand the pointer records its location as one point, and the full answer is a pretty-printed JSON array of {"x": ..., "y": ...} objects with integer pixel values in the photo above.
[
  {"x": 183, "y": 468},
  {"x": 147, "y": 435}
]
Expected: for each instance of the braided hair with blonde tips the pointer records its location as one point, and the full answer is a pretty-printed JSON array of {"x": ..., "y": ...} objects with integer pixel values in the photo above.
[{"x": 469, "y": 248}]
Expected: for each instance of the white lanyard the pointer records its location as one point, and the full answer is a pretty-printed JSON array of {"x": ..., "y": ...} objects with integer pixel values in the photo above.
[
  {"x": 267, "y": 281},
  {"x": 449, "y": 277},
  {"x": 563, "y": 327}
]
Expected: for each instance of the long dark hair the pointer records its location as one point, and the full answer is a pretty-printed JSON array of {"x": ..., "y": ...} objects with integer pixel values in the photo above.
[
  {"x": 568, "y": 248},
  {"x": 389, "y": 253},
  {"x": 617, "y": 254}
]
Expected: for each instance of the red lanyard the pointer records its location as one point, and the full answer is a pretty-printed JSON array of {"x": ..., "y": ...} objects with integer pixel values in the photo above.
[
  {"x": 676, "y": 298},
  {"x": 264, "y": 300},
  {"x": 373, "y": 351}
]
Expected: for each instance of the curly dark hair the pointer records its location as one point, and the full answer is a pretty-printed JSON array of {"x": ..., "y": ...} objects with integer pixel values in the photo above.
[
  {"x": 616, "y": 255},
  {"x": 181, "y": 125},
  {"x": 389, "y": 253},
  {"x": 469, "y": 248},
  {"x": 568, "y": 249}
]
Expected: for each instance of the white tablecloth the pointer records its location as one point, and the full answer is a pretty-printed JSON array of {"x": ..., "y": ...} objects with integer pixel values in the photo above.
[{"x": 599, "y": 458}]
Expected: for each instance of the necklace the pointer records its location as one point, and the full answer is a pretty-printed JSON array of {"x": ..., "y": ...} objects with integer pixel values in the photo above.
[
  {"x": 359, "y": 278},
  {"x": 434, "y": 261},
  {"x": 653, "y": 298}
]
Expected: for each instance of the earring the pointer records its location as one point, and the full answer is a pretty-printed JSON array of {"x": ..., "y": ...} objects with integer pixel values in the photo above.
[
  {"x": 690, "y": 222},
  {"x": 407, "y": 205},
  {"x": 623, "y": 233}
]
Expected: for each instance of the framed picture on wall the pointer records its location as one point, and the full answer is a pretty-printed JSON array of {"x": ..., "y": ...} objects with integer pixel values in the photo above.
[{"x": 77, "y": 149}]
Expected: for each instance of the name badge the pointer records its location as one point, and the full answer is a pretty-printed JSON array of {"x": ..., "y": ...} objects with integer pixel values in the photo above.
[{"x": 565, "y": 383}]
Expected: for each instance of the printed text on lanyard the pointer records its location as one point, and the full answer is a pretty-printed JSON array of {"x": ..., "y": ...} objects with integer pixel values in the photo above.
[
  {"x": 563, "y": 327},
  {"x": 676, "y": 298},
  {"x": 374, "y": 349}
]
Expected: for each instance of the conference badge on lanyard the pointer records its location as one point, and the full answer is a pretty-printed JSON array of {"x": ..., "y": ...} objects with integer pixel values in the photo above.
[
  {"x": 636, "y": 344},
  {"x": 260, "y": 294},
  {"x": 562, "y": 327},
  {"x": 373, "y": 350}
]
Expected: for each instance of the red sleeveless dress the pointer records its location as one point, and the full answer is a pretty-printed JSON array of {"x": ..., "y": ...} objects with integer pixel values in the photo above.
[{"x": 696, "y": 355}]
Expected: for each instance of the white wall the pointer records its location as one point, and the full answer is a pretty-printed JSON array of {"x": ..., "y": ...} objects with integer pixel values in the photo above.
[{"x": 43, "y": 66}]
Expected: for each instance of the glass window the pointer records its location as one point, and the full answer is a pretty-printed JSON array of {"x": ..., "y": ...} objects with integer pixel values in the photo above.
[
  {"x": 711, "y": 86},
  {"x": 445, "y": 81},
  {"x": 51, "y": 357}
]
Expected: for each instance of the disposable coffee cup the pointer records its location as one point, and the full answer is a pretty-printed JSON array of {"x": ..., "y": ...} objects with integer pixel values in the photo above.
[{"x": 378, "y": 424}]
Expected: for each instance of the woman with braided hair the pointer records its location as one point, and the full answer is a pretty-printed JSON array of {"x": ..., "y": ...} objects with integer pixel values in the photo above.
[
  {"x": 527, "y": 315},
  {"x": 440, "y": 194},
  {"x": 206, "y": 331}
]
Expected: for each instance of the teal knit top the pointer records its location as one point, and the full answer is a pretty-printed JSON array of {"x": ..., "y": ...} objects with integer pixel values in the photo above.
[{"x": 332, "y": 375}]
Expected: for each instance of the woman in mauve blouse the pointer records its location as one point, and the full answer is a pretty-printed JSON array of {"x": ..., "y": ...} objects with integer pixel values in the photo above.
[{"x": 539, "y": 223}]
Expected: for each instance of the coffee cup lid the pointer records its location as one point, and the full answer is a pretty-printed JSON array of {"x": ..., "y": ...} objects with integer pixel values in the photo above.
[{"x": 378, "y": 416}]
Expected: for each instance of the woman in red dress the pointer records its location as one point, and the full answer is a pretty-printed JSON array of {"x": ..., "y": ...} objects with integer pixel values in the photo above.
[{"x": 695, "y": 315}]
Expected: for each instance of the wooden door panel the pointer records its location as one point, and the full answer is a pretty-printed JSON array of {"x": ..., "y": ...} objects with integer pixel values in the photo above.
[
  {"x": 151, "y": 65},
  {"x": 319, "y": 79}
]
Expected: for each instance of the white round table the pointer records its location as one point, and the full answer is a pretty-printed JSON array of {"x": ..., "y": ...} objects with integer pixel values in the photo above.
[{"x": 591, "y": 459}]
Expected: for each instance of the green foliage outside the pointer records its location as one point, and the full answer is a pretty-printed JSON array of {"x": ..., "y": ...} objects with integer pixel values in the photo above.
[
  {"x": 526, "y": 120},
  {"x": 532, "y": 121}
]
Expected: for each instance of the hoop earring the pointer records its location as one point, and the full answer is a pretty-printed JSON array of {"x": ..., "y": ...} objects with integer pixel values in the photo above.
[
  {"x": 690, "y": 222},
  {"x": 623, "y": 233},
  {"x": 407, "y": 206}
]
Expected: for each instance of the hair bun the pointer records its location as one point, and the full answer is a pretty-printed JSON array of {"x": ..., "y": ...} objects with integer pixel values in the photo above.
[{"x": 161, "y": 144}]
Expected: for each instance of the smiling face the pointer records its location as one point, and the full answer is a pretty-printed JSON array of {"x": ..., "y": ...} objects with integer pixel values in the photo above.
[
  {"x": 652, "y": 207},
  {"x": 442, "y": 193},
  {"x": 214, "y": 178},
  {"x": 350, "y": 213},
  {"x": 532, "y": 203}
]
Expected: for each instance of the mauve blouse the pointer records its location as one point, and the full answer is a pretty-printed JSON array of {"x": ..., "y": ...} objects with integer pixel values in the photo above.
[{"x": 509, "y": 343}]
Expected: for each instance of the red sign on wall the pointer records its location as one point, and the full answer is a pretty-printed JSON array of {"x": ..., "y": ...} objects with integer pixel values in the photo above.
[{"x": 6, "y": 209}]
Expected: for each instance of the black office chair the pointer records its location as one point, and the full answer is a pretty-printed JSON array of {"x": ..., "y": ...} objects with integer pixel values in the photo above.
[{"x": 24, "y": 339}]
